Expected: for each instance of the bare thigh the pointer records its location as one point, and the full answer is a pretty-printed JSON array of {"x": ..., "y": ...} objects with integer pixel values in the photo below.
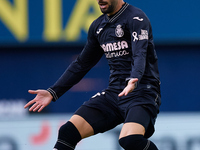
[
  {"x": 84, "y": 128},
  {"x": 131, "y": 128}
]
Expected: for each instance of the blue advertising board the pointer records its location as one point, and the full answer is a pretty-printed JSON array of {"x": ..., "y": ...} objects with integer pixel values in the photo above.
[{"x": 67, "y": 21}]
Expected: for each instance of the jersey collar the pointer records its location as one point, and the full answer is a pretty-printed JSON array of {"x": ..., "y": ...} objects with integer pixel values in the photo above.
[{"x": 115, "y": 16}]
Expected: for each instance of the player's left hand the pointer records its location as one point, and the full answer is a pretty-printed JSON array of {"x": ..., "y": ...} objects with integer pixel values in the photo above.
[{"x": 129, "y": 88}]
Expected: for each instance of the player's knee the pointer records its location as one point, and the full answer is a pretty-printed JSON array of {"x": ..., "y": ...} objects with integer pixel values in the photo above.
[
  {"x": 131, "y": 142},
  {"x": 68, "y": 137},
  {"x": 136, "y": 142}
]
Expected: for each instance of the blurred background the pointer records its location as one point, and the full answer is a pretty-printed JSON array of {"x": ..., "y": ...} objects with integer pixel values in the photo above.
[{"x": 39, "y": 39}]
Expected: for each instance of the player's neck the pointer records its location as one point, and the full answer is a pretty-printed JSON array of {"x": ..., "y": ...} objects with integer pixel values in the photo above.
[
  {"x": 118, "y": 7},
  {"x": 110, "y": 15}
]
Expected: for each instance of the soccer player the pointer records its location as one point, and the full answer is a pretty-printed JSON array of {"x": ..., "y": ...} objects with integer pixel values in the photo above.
[{"x": 124, "y": 34}]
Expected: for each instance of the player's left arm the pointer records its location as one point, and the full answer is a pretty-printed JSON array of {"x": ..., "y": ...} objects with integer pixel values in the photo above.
[
  {"x": 139, "y": 27},
  {"x": 131, "y": 85}
]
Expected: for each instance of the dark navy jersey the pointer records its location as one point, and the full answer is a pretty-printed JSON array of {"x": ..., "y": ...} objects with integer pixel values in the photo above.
[{"x": 126, "y": 40}]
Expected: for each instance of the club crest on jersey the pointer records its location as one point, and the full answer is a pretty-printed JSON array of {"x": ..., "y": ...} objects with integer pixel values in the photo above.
[{"x": 119, "y": 32}]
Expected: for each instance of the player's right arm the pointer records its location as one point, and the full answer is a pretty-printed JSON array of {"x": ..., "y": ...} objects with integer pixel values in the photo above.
[
  {"x": 42, "y": 99},
  {"x": 89, "y": 56}
]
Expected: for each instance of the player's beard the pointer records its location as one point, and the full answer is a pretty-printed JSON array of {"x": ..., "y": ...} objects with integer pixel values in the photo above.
[{"x": 109, "y": 10}]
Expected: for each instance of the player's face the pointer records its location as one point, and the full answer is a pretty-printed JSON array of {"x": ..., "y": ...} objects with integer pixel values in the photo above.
[{"x": 108, "y": 6}]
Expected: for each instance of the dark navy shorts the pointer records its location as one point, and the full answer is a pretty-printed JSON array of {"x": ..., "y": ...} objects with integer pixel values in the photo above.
[{"x": 106, "y": 110}]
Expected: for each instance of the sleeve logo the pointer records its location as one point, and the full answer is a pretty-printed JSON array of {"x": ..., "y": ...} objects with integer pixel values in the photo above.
[{"x": 143, "y": 36}]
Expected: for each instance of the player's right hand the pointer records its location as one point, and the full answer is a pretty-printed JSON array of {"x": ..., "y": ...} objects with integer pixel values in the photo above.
[{"x": 41, "y": 100}]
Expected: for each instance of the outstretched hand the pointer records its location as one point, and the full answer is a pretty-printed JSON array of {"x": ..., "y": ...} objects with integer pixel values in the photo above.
[
  {"x": 129, "y": 88},
  {"x": 41, "y": 100}
]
